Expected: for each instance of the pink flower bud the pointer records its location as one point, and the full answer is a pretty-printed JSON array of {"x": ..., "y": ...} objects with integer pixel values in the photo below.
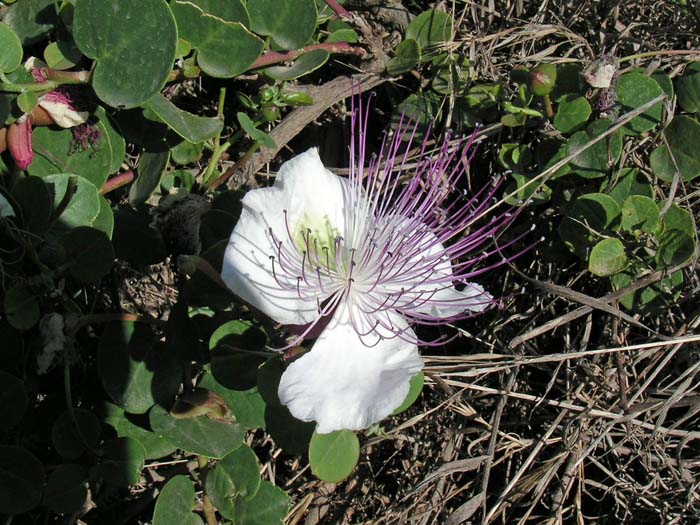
[{"x": 19, "y": 141}]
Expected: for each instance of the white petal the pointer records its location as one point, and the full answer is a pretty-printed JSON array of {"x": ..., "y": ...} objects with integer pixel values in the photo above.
[
  {"x": 63, "y": 115},
  {"x": 306, "y": 191},
  {"x": 450, "y": 302},
  {"x": 247, "y": 268},
  {"x": 343, "y": 384}
]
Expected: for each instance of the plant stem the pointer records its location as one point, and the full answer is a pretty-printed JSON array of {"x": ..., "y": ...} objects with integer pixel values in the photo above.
[
  {"x": 209, "y": 510},
  {"x": 117, "y": 181},
  {"x": 548, "y": 107},
  {"x": 229, "y": 172},
  {"x": 338, "y": 9}
]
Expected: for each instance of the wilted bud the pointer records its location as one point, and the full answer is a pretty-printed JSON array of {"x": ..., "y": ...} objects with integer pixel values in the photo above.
[
  {"x": 19, "y": 141},
  {"x": 200, "y": 402},
  {"x": 542, "y": 79},
  {"x": 600, "y": 72},
  {"x": 59, "y": 106}
]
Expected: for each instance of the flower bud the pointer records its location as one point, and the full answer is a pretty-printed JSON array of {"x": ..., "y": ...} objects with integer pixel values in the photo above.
[
  {"x": 19, "y": 141},
  {"x": 542, "y": 79},
  {"x": 59, "y": 106}
]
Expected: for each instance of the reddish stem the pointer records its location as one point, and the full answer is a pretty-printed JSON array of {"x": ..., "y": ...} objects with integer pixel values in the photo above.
[
  {"x": 117, "y": 181},
  {"x": 338, "y": 9},
  {"x": 275, "y": 57}
]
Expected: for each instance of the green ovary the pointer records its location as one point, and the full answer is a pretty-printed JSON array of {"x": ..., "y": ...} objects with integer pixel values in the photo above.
[{"x": 316, "y": 235}]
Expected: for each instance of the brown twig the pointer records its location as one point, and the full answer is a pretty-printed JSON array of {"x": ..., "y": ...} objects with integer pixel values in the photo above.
[{"x": 277, "y": 57}]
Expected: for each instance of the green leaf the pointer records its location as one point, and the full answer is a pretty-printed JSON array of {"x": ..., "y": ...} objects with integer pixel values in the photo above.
[
  {"x": 154, "y": 445},
  {"x": 289, "y": 433},
  {"x": 247, "y": 406},
  {"x": 268, "y": 507},
  {"x": 113, "y": 139},
  {"x": 589, "y": 214},
  {"x": 225, "y": 48},
  {"x": 640, "y": 213},
  {"x": 407, "y": 57},
  {"x": 31, "y": 19},
  {"x": 175, "y": 503},
  {"x": 524, "y": 189},
  {"x": 71, "y": 441},
  {"x": 11, "y": 56},
  {"x": 66, "y": 489},
  {"x": 21, "y": 307},
  {"x": 55, "y": 153},
  {"x": 150, "y": 170},
  {"x": 675, "y": 247},
  {"x": 186, "y": 152},
  {"x": 89, "y": 253},
  {"x": 21, "y": 480},
  {"x": 253, "y": 132},
  {"x": 235, "y": 354},
  {"x": 62, "y": 54},
  {"x": 594, "y": 161},
  {"x": 633, "y": 90},
  {"x": 429, "y": 29},
  {"x": 228, "y": 10},
  {"x": 192, "y": 128},
  {"x": 628, "y": 182},
  {"x": 291, "y": 23},
  {"x": 13, "y": 400},
  {"x": 650, "y": 299},
  {"x": 305, "y": 64},
  {"x": 197, "y": 435},
  {"x": 104, "y": 221},
  {"x": 133, "y": 43},
  {"x": 122, "y": 461},
  {"x": 235, "y": 476},
  {"x": 572, "y": 113},
  {"x": 682, "y": 136},
  {"x": 608, "y": 257},
  {"x": 415, "y": 387},
  {"x": 334, "y": 456},
  {"x": 676, "y": 218},
  {"x": 135, "y": 370},
  {"x": 688, "y": 88}
]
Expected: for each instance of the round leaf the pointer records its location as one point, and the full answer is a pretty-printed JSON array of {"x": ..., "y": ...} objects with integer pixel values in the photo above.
[
  {"x": 155, "y": 446},
  {"x": 633, "y": 90},
  {"x": 55, "y": 153},
  {"x": 430, "y": 28},
  {"x": 234, "y": 358},
  {"x": 122, "y": 461},
  {"x": 63, "y": 54},
  {"x": 640, "y": 213},
  {"x": 682, "y": 136},
  {"x": 192, "y": 128},
  {"x": 224, "y": 48},
  {"x": 688, "y": 88},
  {"x": 21, "y": 480},
  {"x": 76, "y": 196},
  {"x": 89, "y": 253},
  {"x": 415, "y": 387},
  {"x": 13, "y": 399},
  {"x": 334, "y": 456},
  {"x": 594, "y": 161},
  {"x": 572, "y": 113},
  {"x": 35, "y": 201},
  {"x": 31, "y": 19},
  {"x": 676, "y": 218},
  {"x": 175, "y": 503},
  {"x": 268, "y": 507},
  {"x": 11, "y": 56},
  {"x": 290, "y": 23},
  {"x": 66, "y": 489},
  {"x": 407, "y": 57},
  {"x": 235, "y": 476},
  {"x": 675, "y": 247},
  {"x": 197, "y": 435},
  {"x": 303, "y": 65},
  {"x": 71, "y": 441},
  {"x": 135, "y": 370},
  {"x": 134, "y": 52},
  {"x": 21, "y": 307},
  {"x": 608, "y": 257}
]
